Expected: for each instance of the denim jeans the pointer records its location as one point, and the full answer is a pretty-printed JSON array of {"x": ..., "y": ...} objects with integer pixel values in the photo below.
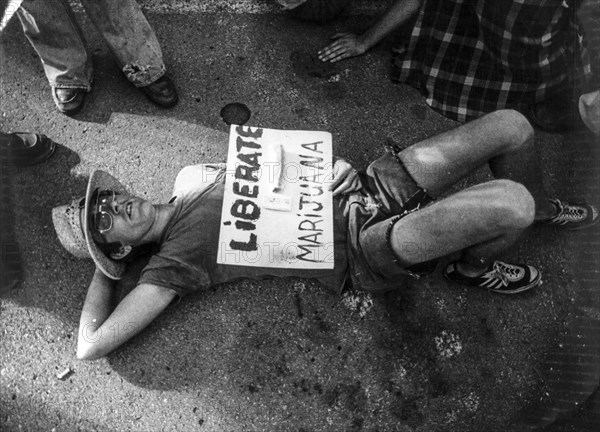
[
  {"x": 51, "y": 28},
  {"x": 388, "y": 194}
]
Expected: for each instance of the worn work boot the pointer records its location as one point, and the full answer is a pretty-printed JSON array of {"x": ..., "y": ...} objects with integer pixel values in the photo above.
[{"x": 162, "y": 92}]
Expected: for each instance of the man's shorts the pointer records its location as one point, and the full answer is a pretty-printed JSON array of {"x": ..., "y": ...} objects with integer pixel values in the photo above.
[{"x": 389, "y": 193}]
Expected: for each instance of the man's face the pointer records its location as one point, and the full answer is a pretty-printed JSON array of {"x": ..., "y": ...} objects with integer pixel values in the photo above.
[{"x": 122, "y": 218}]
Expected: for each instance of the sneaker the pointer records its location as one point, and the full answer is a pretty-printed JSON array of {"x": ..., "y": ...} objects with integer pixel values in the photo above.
[
  {"x": 573, "y": 216},
  {"x": 500, "y": 277}
]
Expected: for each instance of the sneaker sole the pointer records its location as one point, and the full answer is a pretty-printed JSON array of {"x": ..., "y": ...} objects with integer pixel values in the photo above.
[
  {"x": 568, "y": 227},
  {"x": 592, "y": 223},
  {"x": 533, "y": 284}
]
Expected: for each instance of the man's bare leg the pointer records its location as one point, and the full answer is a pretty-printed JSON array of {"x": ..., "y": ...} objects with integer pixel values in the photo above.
[
  {"x": 504, "y": 139},
  {"x": 482, "y": 221}
]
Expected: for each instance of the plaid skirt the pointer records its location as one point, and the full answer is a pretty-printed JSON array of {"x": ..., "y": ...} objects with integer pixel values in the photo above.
[{"x": 471, "y": 57}]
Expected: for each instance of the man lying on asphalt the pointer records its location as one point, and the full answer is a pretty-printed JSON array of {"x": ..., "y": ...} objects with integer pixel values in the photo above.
[{"x": 387, "y": 225}]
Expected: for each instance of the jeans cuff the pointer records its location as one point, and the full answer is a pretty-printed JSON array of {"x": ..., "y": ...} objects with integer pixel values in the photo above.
[{"x": 142, "y": 78}]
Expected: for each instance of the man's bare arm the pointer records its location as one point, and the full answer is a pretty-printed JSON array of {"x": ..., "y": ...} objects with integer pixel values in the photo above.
[
  {"x": 102, "y": 329},
  {"x": 350, "y": 45}
]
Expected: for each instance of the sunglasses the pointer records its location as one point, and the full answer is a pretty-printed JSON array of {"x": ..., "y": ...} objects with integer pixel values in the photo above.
[{"x": 103, "y": 220}]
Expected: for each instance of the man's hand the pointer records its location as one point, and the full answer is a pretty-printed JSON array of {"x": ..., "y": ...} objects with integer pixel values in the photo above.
[
  {"x": 345, "y": 178},
  {"x": 346, "y": 45}
]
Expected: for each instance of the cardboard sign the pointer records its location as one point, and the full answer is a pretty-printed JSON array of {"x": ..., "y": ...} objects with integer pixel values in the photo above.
[{"x": 277, "y": 207}]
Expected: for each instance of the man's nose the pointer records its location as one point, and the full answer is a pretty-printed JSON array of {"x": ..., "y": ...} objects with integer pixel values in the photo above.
[{"x": 115, "y": 206}]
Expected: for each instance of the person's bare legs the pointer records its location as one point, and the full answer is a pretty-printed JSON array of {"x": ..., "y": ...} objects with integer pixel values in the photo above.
[
  {"x": 481, "y": 221},
  {"x": 504, "y": 139}
]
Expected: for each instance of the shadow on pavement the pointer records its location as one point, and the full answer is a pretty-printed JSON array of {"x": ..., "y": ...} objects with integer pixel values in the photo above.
[
  {"x": 568, "y": 399},
  {"x": 35, "y": 190}
]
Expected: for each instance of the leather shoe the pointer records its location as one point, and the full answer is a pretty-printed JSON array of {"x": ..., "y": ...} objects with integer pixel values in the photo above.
[
  {"x": 68, "y": 100},
  {"x": 23, "y": 148},
  {"x": 162, "y": 92}
]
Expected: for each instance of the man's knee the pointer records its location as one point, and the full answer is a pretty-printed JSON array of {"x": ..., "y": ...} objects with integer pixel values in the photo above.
[
  {"x": 516, "y": 128},
  {"x": 514, "y": 204}
]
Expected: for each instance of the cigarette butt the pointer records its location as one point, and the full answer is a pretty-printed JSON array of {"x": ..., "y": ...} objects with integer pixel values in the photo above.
[{"x": 64, "y": 374}]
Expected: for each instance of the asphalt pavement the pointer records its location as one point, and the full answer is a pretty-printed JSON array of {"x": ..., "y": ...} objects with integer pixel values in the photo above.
[{"x": 280, "y": 355}]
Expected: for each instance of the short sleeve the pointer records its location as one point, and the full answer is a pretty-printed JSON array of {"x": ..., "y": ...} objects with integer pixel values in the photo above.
[
  {"x": 181, "y": 278},
  {"x": 196, "y": 178}
]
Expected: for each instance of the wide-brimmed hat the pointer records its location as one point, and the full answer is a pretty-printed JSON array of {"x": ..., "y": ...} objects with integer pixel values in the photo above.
[{"x": 71, "y": 223}]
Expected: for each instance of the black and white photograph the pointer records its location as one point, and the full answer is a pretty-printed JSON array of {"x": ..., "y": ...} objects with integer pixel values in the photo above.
[{"x": 299, "y": 215}]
